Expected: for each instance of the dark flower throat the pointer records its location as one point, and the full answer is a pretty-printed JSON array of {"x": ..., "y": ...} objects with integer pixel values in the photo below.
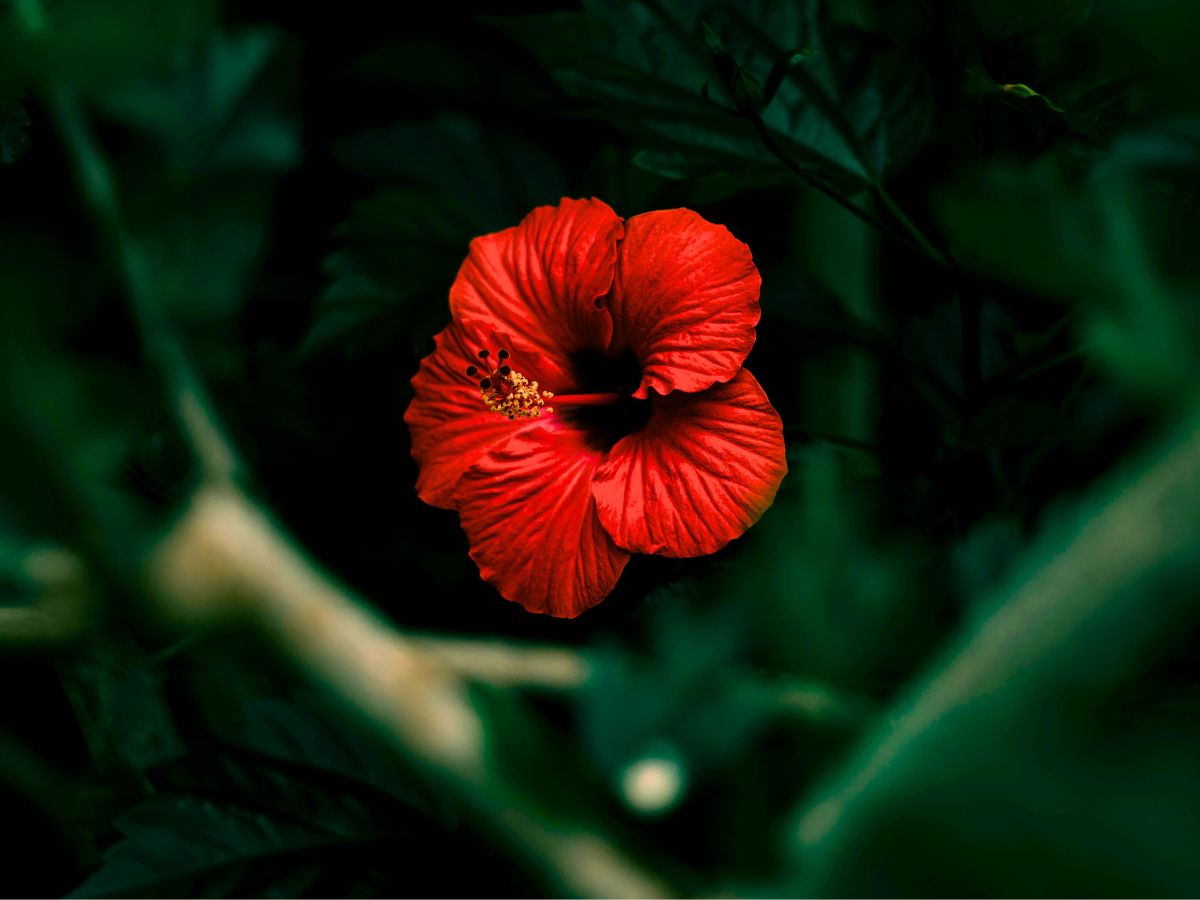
[{"x": 597, "y": 373}]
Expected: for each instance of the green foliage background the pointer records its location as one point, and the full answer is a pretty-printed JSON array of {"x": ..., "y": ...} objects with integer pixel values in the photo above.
[{"x": 958, "y": 656}]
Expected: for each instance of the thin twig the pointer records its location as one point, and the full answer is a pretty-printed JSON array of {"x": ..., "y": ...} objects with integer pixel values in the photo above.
[
  {"x": 940, "y": 255},
  {"x": 503, "y": 664}
]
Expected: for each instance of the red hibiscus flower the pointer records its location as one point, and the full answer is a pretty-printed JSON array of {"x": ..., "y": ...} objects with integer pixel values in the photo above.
[{"x": 588, "y": 401}]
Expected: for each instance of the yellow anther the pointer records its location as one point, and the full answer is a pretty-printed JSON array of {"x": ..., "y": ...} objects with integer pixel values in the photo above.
[{"x": 513, "y": 395}]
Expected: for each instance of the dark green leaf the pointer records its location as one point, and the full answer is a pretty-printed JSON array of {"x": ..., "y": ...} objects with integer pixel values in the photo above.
[
  {"x": 180, "y": 846},
  {"x": 316, "y": 738},
  {"x": 449, "y": 181},
  {"x": 851, "y": 109},
  {"x": 1000, "y": 19}
]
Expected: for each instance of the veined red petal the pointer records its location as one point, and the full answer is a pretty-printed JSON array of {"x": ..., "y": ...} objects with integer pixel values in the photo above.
[
  {"x": 698, "y": 475},
  {"x": 684, "y": 300},
  {"x": 540, "y": 280},
  {"x": 449, "y": 424},
  {"x": 528, "y": 513}
]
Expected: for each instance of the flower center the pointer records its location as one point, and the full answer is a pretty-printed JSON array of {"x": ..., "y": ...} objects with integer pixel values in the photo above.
[
  {"x": 608, "y": 411},
  {"x": 606, "y": 414},
  {"x": 506, "y": 391}
]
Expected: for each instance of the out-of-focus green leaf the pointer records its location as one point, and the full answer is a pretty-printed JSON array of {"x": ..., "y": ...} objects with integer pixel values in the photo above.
[
  {"x": 1026, "y": 761},
  {"x": 17, "y": 587},
  {"x": 826, "y": 600},
  {"x": 1093, "y": 242},
  {"x": 14, "y": 140},
  {"x": 198, "y": 202},
  {"x": 118, "y": 696},
  {"x": 847, "y": 107},
  {"x": 1170, "y": 28},
  {"x": 682, "y": 697},
  {"x": 91, "y": 45},
  {"x": 1172, "y": 145},
  {"x": 65, "y": 427},
  {"x": 210, "y": 111},
  {"x": 201, "y": 252}
]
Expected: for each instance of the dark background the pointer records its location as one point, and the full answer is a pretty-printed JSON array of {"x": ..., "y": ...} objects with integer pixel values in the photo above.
[{"x": 969, "y": 382}]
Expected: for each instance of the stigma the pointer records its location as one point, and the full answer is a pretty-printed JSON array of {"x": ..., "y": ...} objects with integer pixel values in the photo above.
[{"x": 506, "y": 391}]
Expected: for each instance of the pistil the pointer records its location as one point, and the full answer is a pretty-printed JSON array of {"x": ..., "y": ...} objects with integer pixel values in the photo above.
[{"x": 610, "y": 399}]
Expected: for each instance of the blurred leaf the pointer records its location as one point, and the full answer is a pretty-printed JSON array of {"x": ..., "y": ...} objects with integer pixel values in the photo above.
[
  {"x": 1096, "y": 242},
  {"x": 17, "y": 585},
  {"x": 826, "y": 600},
  {"x": 1007, "y": 421},
  {"x": 1024, "y": 760},
  {"x": 1170, "y": 145},
  {"x": 89, "y": 45},
  {"x": 14, "y": 140},
  {"x": 211, "y": 112},
  {"x": 1171, "y": 28},
  {"x": 983, "y": 559},
  {"x": 66, "y": 427},
  {"x": 846, "y": 106},
  {"x": 448, "y": 182},
  {"x": 1022, "y": 224},
  {"x": 199, "y": 200},
  {"x": 680, "y": 696},
  {"x": 201, "y": 249},
  {"x": 118, "y": 695},
  {"x": 1001, "y": 19}
]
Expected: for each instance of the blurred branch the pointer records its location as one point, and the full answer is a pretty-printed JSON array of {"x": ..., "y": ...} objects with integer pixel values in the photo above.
[
  {"x": 224, "y": 560},
  {"x": 1136, "y": 539},
  {"x": 63, "y": 609},
  {"x": 820, "y": 704},
  {"x": 503, "y": 664}
]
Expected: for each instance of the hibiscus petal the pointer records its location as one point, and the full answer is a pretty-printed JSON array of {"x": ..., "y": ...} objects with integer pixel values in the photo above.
[
  {"x": 540, "y": 280},
  {"x": 684, "y": 300},
  {"x": 449, "y": 424},
  {"x": 698, "y": 475},
  {"x": 528, "y": 512}
]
